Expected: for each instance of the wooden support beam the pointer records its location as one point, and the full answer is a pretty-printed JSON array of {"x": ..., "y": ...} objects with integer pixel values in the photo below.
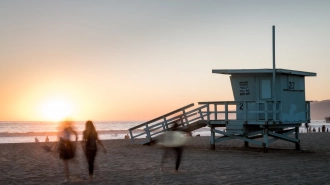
[
  {"x": 241, "y": 137},
  {"x": 298, "y": 138},
  {"x": 212, "y": 142},
  {"x": 283, "y": 137},
  {"x": 265, "y": 143}
]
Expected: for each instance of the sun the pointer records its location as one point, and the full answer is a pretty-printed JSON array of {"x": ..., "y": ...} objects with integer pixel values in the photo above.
[{"x": 56, "y": 109}]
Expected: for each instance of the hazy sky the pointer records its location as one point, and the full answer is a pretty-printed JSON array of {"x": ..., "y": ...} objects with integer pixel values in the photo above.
[{"x": 139, "y": 59}]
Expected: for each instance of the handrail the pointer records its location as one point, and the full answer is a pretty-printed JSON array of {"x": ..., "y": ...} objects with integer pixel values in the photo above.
[
  {"x": 244, "y": 111},
  {"x": 165, "y": 115},
  {"x": 162, "y": 123}
]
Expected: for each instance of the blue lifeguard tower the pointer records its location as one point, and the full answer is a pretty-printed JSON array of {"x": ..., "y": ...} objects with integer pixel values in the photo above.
[
  {"x": 268, "y": 104},
  {"x": 264, "y": 106}
]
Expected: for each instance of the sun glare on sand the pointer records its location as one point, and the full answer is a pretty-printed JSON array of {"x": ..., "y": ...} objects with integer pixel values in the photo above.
[{"x": 55, "y": 109}]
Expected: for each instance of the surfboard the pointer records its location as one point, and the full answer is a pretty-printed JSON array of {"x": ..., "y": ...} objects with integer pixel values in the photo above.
[{"x": 173, "y": 139}]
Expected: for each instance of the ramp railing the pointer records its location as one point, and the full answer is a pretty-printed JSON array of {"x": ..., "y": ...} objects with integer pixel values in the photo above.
[
  {"x": 256, "y": 111},
  {"x": 161, "y": 124}
]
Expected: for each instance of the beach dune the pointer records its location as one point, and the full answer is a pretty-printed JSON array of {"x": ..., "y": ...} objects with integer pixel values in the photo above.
[{"x": 125, "y": 163}]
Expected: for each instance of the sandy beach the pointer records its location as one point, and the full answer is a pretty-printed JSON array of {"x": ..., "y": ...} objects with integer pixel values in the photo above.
[{"x": 125, "y": 163}]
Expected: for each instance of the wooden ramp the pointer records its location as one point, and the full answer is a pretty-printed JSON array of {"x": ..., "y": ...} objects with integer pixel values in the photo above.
[
  {"x": 188, "y": 120},
  {"x": 188, "y": 128},
  {"x": 194, "y": 126}
]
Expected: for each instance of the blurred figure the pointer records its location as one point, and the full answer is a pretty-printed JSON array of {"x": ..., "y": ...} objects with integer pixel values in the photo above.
[
  {"x": 47, "y": 139},
  {"x": 89, "y": 145},
  {"x": 126, "y": 136},
  {"x": 323, "y": 128},
  {"x": 36, "y": 140},
  {"x": 66, "y": 147},
  {"x": 177, "y": 149}
]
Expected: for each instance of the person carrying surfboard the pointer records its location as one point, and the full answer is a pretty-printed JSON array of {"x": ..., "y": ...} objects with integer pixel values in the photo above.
[{"x": 172, "y": 135}]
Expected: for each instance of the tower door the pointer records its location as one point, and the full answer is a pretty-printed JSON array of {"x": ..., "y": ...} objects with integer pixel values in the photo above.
[
  {"x": 265, "y": 93},
  {"x": 265, "y": 88}
]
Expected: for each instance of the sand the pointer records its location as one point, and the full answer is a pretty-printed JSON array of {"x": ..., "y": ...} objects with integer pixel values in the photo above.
[{"x": 126, "y": 163}]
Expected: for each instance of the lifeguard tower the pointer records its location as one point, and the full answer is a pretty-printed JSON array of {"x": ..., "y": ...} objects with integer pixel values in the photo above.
[
  {"x": 268, "y": 104},
  {"x": 264, "y": 106}
]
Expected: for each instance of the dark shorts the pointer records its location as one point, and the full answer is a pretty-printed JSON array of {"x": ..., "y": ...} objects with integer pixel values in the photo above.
[{"x": 66, "y": 149}]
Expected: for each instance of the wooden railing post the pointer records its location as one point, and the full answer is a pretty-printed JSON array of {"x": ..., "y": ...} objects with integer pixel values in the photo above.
[
  {"x": 200, "y": 113},
  {"x": 185, "y": 117},
  {"x": 208, "y": 112},
  {"x": 165, "y": 123},
  {"x": 181, "y": 120},
  {"x": 215, "y": 112},
  {"x": 226, "y": 112},
  {"x": 148, "y": 132}
]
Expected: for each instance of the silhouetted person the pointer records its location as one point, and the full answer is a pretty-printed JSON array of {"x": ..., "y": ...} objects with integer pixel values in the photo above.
[
  {"x": 90, "y": 138},
  {"x": 314, "y": 130},
  {"x": 323, "y": 128},
  {"x": 327, "y": 130},
  {"x": 178, "y": 150},
  {"x": 319, "y": 129},
  {"x": 47, "y": 139},
  {"x": 36, "y": 140},
  {"x": 66, "y": 147},
  {"x": 306, "y": 125}
]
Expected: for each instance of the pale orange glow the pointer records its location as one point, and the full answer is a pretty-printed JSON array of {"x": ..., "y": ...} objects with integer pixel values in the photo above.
[{"x": 56, "y": 109}]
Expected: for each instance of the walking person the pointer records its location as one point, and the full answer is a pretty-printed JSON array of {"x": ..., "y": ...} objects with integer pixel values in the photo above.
[
  {"x": 178, "y": 149},
  {"x": 89, "y": 145},
  {"x": 66, "y": 148}
]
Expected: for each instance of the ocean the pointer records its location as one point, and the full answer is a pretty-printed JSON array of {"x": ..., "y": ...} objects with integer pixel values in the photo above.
[{"x": 27, "y": 131}]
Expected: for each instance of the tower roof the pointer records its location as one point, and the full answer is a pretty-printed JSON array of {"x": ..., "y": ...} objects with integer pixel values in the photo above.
[{"x": 261, "y": 71}]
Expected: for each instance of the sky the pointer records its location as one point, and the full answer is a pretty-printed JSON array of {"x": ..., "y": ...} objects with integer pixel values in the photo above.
[{"x": 132, "y": 60}]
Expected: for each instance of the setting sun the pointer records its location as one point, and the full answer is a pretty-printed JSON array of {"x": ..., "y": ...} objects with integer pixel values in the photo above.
[{"x": 55, "y": 109}]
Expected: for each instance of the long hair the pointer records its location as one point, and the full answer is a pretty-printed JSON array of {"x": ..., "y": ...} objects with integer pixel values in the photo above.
[{"x": 89, "y": 129}]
